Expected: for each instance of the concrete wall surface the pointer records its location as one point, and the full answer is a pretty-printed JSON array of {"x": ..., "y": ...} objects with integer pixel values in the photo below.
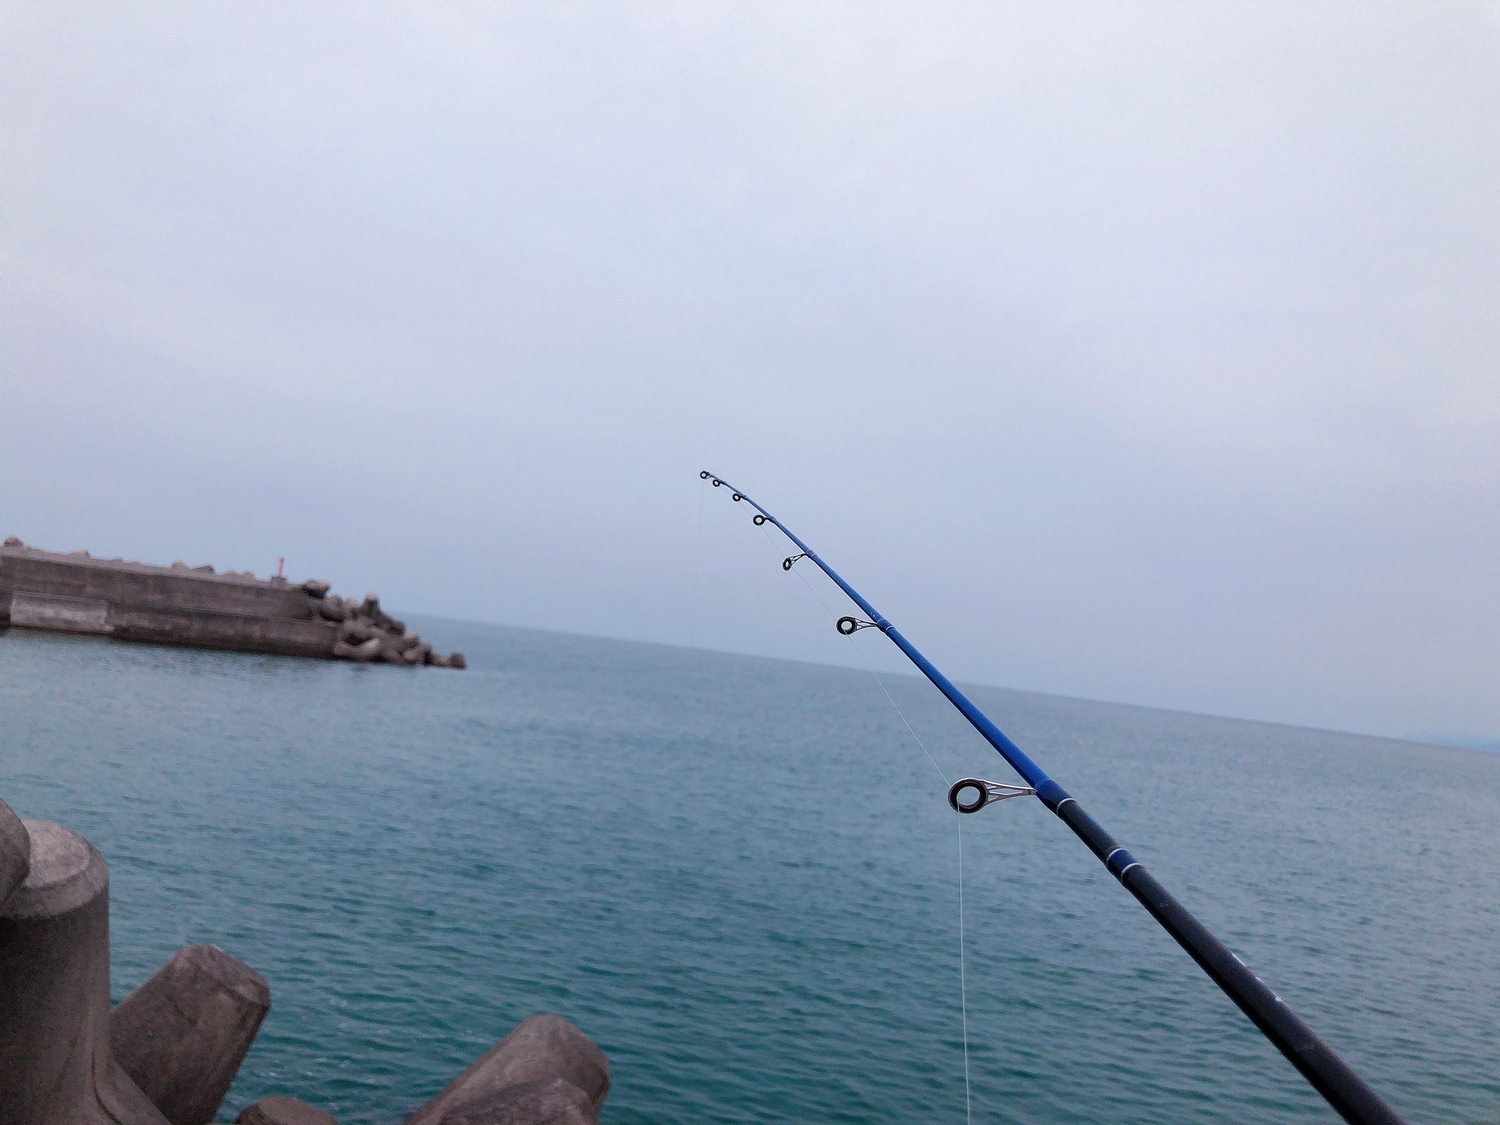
[
  {"x": 182, "y": 1035},
  {"x": 161, "y": 605},
  {"x": 55, "y": 1058},
  {"x": 168, "y": 1054}
]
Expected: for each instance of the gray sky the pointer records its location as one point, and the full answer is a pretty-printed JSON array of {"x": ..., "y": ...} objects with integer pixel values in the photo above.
[{"x": 1137, "y": 352}]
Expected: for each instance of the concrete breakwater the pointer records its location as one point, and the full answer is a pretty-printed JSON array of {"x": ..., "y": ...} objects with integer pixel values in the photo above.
[
  {"x": 169, "y": 1052},
  {"x": 197, "y": 607}
]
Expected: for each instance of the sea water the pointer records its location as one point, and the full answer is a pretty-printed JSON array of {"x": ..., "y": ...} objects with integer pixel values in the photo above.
[{"x": 740, "y": 877}]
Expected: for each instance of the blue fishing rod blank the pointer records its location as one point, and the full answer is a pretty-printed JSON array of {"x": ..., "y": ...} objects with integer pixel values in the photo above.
[{"x": 1344, "y": 1090}]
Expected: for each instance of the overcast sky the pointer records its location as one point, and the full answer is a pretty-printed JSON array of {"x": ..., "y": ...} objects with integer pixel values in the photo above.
[{"x": 1143, "y": 352}]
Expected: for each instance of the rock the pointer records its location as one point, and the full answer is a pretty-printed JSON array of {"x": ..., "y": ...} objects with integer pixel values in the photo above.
[
  {"x": 356, "y": 632},
  {"x": 544, "y": 1102},
  {"x": 331, "y": 608},
  {"x": 14, "y": 541},
  {"x": 395, "y": 646},
  {"x": 437, "y": 660},
  {"x": 371, "y": 609},
  {"x": 316, "y": 587},
  {"x": 204, "y": 569},
  {"x": 364, "y": 652},
  {"x": 55, "y": 1061},
  {"x": 282, "y": 1110},
  {"x": 78, "y": 554},
  {"x": 417, "y": 654},
  {"x": 123, "y": 1100},
  {"x": 15, "y": 852},
  {"x": 541, "y": 1048},
  {"x": 180, "y": 565},
  {"x": 182, "y": 1035},
  {"x": 390, "y": 650},
  {"x": 456, "y": 660}
]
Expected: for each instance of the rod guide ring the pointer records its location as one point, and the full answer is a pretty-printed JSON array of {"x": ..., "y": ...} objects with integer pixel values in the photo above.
[{"x": 989, "y": 793}]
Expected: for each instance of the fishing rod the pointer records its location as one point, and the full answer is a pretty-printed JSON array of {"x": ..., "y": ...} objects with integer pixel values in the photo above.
[{"x": 1344, "y": 1090}]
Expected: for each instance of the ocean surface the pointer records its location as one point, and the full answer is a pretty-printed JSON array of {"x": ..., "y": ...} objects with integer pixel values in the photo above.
[{"x": 740, "y": 877}]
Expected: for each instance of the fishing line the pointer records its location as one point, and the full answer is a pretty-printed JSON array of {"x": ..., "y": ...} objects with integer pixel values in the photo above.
[
  {"x": 963, "y": 985},
  {"x": 697, "y": 571},
  {"x": 1344, "y": 1090},
  {"x": 868, "y": 666},
  {"x": 900, "y": 712},
  {"x": 963, "y": 988}
]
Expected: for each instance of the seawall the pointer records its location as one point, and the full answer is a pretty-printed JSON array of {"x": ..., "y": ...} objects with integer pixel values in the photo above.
[{"x": 196, "y": 607}]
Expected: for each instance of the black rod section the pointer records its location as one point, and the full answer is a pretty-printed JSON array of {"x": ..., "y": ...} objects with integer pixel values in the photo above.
[{"x": 1344, "y": 1090}]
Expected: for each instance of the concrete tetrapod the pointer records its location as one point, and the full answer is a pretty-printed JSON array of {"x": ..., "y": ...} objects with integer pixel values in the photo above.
[
  {"x": 541, "y": 1048},
  {"x": 55, "y": 1060},
  {"x": 15, "y": 853},
  {"x": 282, "y": 1110},
  {"x": 557, "y": 1102},
  {"x": 183, "y": 1034}
]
